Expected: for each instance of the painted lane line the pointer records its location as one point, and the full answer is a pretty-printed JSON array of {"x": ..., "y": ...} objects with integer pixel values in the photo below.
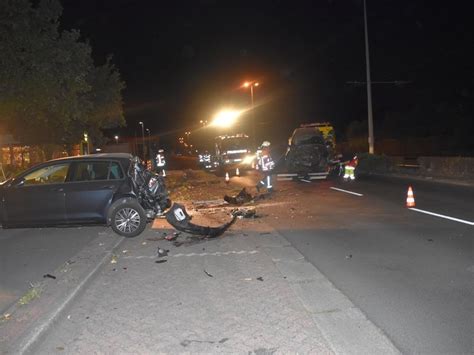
[
  {"x": 443, "y": 216},
  {"x": 347, "y": 192}
]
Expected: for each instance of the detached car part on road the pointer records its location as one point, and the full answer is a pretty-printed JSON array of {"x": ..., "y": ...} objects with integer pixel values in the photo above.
[{"x": 113, "y": 189}]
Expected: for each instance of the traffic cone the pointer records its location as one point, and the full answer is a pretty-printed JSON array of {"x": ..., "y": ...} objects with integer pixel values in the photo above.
[
  {"x": 227, "y": 178},
  {"x": 410, "y": 198},
  {"x": 237, "y": 172}
]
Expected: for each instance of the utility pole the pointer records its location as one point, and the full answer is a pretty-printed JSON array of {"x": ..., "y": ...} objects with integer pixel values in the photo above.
[
  {"x": 369, "y": 85},
  {"x": 143, "y": 139}
]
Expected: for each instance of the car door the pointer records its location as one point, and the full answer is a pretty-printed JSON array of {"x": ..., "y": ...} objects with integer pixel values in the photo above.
[
  {"x": 91, "y": 187},
  {"x": 37, "y": 197}
]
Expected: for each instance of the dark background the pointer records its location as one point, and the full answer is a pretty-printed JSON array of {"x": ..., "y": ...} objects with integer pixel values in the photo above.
[{"x": 183, "y": 61}]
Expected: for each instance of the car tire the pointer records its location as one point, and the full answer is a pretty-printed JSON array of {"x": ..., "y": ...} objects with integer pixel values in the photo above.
[{"x": 127, "y": 218}]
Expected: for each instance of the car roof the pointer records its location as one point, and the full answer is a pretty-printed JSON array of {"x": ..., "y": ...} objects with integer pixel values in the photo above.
[{"x": 101, "y": 156}]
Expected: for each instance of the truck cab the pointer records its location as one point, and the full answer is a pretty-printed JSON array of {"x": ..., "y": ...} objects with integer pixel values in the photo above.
[{"x": 233, "y": 151}]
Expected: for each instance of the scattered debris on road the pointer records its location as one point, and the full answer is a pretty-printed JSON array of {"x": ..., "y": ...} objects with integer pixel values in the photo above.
[
  {"x": 162, "y": 252},
  {"x": 160, "y": 261},
  {"x": 49, "y": 276},
  {"x": 242, "y": 197},
  {"x": 260, "y": 278},
  {"x": 208, "y": 274},
  {"x": 244, "y": 213},
  {"x": 114, "y": 259},
  {"x": 349, "y": 256},
  {"x": 5, "y": 317},
  {"x": 173, "y": 236}
]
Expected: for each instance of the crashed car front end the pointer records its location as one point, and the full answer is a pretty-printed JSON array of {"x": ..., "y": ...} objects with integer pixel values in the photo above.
[{"x": 150, "y": 190}]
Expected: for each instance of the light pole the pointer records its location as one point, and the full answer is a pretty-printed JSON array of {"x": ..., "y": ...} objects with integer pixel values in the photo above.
[
  {"x": 369, "y": 85},
  {"x": 116, "y": 139},
  {"x": 143, "y": 139},
  {"x": 149, "y": 144},
  {"x": 252, "y": 84}
]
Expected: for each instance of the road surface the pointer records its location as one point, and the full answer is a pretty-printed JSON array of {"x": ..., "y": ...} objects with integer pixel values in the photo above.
[{"x": 410, "y": 272}]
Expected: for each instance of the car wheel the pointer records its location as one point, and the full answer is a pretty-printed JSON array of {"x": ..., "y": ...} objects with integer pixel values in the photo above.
[{"x": 127, "y": 218}]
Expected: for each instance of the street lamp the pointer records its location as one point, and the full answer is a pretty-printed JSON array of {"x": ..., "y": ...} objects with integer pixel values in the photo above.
[
  {"x": 369, "y": 85},
  {"x": 252, "y": 84},
  {"x": 116, "y": 139},
  {"x": 143, "y": 138},
  {"x": 149, "y": 144}
]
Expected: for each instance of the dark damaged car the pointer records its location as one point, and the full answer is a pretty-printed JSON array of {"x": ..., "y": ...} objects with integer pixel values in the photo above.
[
  {"x": 112, "y": 189},
  {"x": 307, "y": 152}
]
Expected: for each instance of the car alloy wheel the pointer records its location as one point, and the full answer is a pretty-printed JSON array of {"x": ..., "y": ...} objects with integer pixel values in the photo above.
[
  {"x": 127, "y": 217},
  {"x": 127, "y": 220}
]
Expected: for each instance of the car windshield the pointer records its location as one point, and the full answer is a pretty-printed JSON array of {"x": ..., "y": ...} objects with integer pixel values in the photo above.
[
  {"x": 307, "y": 136},
  {"x": 234, "y": 144}
]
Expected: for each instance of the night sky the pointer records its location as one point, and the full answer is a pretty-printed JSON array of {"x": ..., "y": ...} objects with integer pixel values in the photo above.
[{"x": 184, "y": 60}]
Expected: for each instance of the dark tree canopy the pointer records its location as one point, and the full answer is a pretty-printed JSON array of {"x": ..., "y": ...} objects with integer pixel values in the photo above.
[{"x": 51, "y": 91}]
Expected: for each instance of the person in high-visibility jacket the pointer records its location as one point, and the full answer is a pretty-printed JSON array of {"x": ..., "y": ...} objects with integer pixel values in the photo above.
[
  {"x": 350, "y": 167},
  {"x": 265, "y": 164},
  {"x": 161, "y": 162}
]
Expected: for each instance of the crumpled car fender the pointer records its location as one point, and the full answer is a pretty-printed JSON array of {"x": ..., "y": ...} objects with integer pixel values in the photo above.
[{"x": 180, "y": 219}]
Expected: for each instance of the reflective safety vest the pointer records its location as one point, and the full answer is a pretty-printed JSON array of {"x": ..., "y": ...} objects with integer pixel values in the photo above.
[
  {"x": 160, "y": 160},
  {"x": 265, "y": 161}
]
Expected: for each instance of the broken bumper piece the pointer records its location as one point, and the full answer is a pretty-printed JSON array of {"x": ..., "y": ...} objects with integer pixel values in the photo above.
[{"x": 180, "y": 219}]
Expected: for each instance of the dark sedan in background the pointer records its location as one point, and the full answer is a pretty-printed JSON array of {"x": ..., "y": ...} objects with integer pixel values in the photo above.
[{"x": 98, "y": 189}]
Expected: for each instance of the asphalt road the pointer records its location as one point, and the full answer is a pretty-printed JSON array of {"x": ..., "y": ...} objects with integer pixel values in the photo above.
[
  {"x": 28, "y": 254},
  {"x": 410, "y": 272}
]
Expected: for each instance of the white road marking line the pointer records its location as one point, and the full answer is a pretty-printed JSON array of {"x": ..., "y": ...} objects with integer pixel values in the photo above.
[
  {"x": 443, "y": 216},
  {"x": 217, "y": 253},
  {"x": 282, "y": 175},
  {"x": 347, "y": 192}
]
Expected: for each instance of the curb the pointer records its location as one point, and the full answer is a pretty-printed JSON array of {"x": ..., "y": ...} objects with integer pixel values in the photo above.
[{"x": 30, "y": 322}]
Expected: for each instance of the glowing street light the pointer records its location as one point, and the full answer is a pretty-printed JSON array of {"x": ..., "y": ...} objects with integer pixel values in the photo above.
[
  {"x": 116, "y": 139},
  {"x": 225, "y": 118},
  {"x": 251, "y": 84}
]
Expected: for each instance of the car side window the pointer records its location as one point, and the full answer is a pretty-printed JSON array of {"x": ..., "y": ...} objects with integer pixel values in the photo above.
[
  {"x": 52, "y": 174},
  {"x": 96, "y": 170},
  {"x": 115, "y": 172}
]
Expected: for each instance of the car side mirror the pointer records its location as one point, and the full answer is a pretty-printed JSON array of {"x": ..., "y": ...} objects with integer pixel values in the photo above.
[{"x": 18, "y": 182}]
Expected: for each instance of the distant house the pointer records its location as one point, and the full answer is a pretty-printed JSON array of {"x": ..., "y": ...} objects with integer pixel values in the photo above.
[{"x": 13, "y": 152}]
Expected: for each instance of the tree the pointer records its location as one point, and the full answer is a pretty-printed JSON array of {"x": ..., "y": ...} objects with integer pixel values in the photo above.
[{"x": 50, "y": 89}]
